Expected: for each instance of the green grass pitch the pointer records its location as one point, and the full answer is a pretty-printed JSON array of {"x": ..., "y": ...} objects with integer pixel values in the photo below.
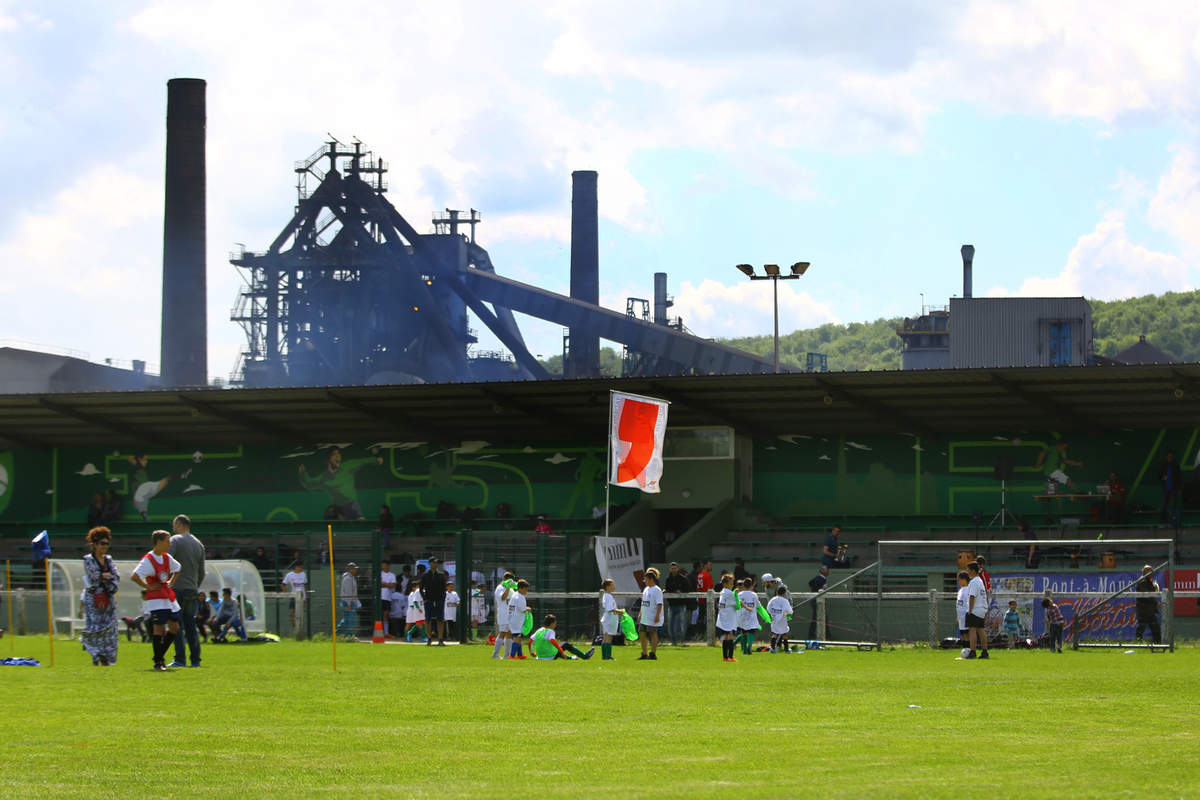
[{"x": 410, "y": 721}]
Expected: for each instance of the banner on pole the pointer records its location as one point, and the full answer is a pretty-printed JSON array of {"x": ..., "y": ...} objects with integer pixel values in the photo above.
[
  {"x": 621, "y": 560},
  {"x": 636, "y": 430}
]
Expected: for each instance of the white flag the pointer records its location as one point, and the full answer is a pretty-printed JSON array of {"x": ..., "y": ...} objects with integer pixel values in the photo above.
[{"x": 636, "y": 430}]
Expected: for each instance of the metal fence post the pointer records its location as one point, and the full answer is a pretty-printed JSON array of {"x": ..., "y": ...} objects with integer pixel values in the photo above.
[
  {"x": 710, "y": 614},
  {"x": 933, "y": 617},
  {"x": 821, "y": 632},
  {"x": 22, "y": 629}
]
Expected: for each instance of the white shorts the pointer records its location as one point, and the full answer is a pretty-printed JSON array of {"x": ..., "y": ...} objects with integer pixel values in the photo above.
[
  {"x": 1060, "y": 476},
  {"x": 515, "y": 628},
  {"x": 144, "y": 493},
  {"x": 610, "y": 624}
]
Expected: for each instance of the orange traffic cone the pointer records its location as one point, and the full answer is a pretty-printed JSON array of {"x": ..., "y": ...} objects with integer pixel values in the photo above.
[{"x": 377, "y": 638}]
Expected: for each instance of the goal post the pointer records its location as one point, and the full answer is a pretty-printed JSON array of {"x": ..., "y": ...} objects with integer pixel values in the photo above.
[{"x": 1092, "y": 581}]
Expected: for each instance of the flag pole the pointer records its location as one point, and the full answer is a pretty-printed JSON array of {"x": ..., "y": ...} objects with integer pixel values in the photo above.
[
  {"x": 49, "y": 614},
  {"x": 12, "y": 643},
  {"x": 332, "y": 599},
  {"x": 607, "y": 466}
]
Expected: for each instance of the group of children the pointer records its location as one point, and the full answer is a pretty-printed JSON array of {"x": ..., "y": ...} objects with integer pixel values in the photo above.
[
  {"x": 406, "y": 610},
  {"x": 971, "y": 605},
  {"x": 738, "y": 617}
]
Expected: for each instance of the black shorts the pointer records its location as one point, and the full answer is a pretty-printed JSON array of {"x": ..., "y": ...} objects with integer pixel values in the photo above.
[
  {"x": 723, "y": 632},
  {"x": 974, "y": 621},
  {"x": 434, "y": 609},
  {"x": 161, "y": 616}
]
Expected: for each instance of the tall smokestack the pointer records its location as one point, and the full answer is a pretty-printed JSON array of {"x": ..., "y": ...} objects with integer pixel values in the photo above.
[
  {"x": 585, "y": 271},
  {"x": 661, "y": 303},
  {"x": 968, "y": 254},
  {"x": 184, "y": 327}
]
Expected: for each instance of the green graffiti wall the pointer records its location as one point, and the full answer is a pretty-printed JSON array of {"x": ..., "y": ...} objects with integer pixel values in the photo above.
[
  {"x": 280, "y": 483},
  {"x": 904, "y": 474}
]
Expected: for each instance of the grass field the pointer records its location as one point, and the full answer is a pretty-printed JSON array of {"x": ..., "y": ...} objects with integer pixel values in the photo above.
[{"x": 410, "y": 721}]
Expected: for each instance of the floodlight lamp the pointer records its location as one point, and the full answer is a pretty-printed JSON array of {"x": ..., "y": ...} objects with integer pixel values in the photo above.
[
  {"x": 771, "y": 269},
  {"x": 800, "y": 267},
  {"x": 746, "y": 268}
]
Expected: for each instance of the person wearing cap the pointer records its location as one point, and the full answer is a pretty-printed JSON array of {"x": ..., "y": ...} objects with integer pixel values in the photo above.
[
  {"x": 433, "y": 595},
  {"x": 677, "y": 610},
  {"x": 771, "y": 586},
  {"x": 348, "y": 600}
]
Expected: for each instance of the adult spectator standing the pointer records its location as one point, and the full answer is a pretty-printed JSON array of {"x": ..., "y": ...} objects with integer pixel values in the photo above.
[
  {"x": 1114, "y": 509},
  {"x": 99, "y": 599},
  {"x": 1172, "y": 483},
  {"x": 1033, "y": 557},
  {"x": 348, "y": 598},
  {"x": 740, "y": 572},
  {"x": 387, "y": 586},
  {"x": 433, "y": 594},
  {"x": 829, "y": 551},
  {"x": 189, "y": 552},
  {"x": 703, "y": 581},
  {"x": 677, "y": 609},
  {"x": 1147, "y": 607},
  {"x": 387, "y": 524}
]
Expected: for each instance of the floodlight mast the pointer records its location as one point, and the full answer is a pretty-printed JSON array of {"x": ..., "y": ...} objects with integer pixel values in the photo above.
[{"x": 774, "y": 276}]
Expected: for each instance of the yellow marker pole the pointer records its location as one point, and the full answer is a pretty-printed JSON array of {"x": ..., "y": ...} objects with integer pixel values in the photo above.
[
  {"x": 12, "y": 642},
  {"x": 49, "y": 614},
  {"x": 332, "y": 600}
]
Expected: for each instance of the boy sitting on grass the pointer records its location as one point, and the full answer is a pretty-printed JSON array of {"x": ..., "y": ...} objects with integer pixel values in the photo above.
[{"x": 546, "y": 647}]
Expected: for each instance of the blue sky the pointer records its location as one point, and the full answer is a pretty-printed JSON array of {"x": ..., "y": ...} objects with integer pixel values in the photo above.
[{"x": 871, "y": 139}]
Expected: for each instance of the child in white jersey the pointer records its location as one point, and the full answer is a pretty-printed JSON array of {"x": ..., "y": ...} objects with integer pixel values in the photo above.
[
  {"x": 516, "y": 618},
  {"x": 780, "y": 610},
  {"x": 748, "y": 615},
  {"x": 652, "y": 615},
  {"x": 478, "y": 609},
  {"x": 450, "y": 607},
  {"x": 727, "y": 604},
  {"x": 415, "y": 616},
  {"x": 610, "y": 618},
  {"x": 503, "y": 592},
  {"x": 156, "y": 573},
  {"x": 960, "y": 606}
]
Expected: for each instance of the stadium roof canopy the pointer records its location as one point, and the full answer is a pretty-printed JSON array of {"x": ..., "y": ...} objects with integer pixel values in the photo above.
[{"x": 923, "y": 402}]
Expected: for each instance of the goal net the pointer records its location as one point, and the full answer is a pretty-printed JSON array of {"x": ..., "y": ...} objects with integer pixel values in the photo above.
[{"x": 1095, "y": 583}]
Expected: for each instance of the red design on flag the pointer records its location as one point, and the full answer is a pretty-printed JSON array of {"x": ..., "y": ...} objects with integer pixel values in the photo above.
[{"x": 636, "y": 427}]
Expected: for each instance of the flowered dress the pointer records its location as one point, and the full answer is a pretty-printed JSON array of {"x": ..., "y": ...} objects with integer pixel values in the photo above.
[{"x": 99, "y": 625}]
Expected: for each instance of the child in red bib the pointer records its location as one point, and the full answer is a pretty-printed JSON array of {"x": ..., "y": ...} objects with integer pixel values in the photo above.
[{"x": 156, "y": 573}]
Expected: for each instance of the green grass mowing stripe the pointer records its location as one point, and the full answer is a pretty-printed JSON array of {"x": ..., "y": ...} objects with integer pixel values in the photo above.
[{"x": 450, "y": 722}]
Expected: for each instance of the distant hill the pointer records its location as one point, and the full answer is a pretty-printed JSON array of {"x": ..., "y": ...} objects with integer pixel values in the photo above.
[{"x": 1171, "y": 322}]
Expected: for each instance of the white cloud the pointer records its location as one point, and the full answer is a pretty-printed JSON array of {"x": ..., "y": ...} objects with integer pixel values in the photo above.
[
  {"x": 717, "y": 310},
  {"x": 1106, "y": 265},
  {"x": 1175, "y": 206},
  {"x": 95, "y": 254}
]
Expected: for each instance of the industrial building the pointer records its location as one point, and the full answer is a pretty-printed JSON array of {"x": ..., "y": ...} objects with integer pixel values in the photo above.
[{"x": 980, "y": 332}]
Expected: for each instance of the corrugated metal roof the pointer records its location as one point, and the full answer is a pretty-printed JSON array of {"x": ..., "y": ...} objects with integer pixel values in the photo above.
[{"x": 924, "y": 402}]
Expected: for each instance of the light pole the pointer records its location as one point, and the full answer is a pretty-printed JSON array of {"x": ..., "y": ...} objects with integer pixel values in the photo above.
[{"x": 772, "y": 274}]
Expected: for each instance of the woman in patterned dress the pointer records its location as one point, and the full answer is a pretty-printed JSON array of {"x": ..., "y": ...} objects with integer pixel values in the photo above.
[{"x": 100, "y": 578}]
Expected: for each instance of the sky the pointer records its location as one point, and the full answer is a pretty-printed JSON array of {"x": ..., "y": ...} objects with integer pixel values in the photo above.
[{"x": 872, "y": 139}]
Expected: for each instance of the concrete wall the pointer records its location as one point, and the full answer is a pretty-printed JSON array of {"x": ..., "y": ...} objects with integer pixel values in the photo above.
[{"x": 1014, "y": 331}]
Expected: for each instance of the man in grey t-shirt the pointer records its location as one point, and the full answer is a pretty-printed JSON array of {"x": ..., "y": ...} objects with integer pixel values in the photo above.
[{"x": 189, "y": 552}]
